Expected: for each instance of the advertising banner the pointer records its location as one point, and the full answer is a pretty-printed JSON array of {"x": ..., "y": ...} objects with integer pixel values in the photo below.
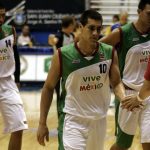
[
  {"x": 40, "y": 14},
  {"x": 35, "y": 67}
]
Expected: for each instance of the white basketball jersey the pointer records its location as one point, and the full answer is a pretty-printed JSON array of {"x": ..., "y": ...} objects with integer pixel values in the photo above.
[
  {"x": 85, "y": 82},
  {"x": 135, "y": 65},
  {"x": 7, "y": 61}
]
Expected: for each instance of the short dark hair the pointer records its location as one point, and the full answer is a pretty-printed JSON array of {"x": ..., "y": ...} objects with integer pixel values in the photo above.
[
  {"x": 66, "y": 21},
  {"x": 143, "y": 3},
  {"x": 92, "y": 14}
]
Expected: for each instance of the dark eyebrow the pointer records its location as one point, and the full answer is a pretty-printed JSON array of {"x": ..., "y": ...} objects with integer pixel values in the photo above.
[{"x": 94, "y": 25}]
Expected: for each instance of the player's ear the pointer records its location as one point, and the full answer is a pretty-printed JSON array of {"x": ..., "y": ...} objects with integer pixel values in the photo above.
[
  {"x": 80, "y": 26},
  {"x": 139, "y": 11}
]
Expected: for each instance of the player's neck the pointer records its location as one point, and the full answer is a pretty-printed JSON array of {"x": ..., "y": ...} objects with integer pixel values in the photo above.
[
  {"x": 87, "y": 49},
  {"x": 141, "y": 27}
]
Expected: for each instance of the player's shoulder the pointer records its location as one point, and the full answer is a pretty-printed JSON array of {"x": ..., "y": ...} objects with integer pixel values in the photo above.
[
  {"x": 6, "y": 26},
  {"x": 8, "y": 29},
  {"x": 105, "y": 45},
  {"x": 67, "y": 47},
  {"x": 127, "y": 27}
]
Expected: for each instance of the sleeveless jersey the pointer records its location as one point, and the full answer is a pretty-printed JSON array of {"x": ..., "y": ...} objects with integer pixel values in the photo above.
[
  {"x": 85, "y": 83},
  {"x": 67, "y": 39},
  {"x": 7, "y": 61},
  {"x": 133, "y": 56}
]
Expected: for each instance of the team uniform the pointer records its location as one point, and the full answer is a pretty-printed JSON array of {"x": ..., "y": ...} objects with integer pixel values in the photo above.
[
  {"x": 85, "y": 97},
  {"x": 11, "y": 106},
  {"x": 133, "y": 56}
]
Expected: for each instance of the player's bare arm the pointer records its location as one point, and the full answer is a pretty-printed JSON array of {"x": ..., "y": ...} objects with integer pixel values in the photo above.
[
  {"x": 112, "y": 39},
  {"x": 15, "y": 36},
  {"x": 145, "y": 90},
  {"x": 115, "y": 79},
  {"x": 46, "y": 98}
]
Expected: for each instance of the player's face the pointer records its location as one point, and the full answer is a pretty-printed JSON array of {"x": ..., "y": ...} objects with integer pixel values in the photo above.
[
  {"x": 2, "y": 16},
  {"x": 145, "y": 16},
  {"x": 91, "y": 31}
]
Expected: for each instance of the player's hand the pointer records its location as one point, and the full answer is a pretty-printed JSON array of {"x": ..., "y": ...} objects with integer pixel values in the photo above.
[
  {"x": 52, "y": 40},
  {"x": 132, "y": 103},
  {"x": 42, "y": 134}
]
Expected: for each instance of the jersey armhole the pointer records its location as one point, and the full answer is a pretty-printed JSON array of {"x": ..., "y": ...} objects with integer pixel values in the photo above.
[
  {"x": 14, "y": 33},
  {"x": 60, "y": 61},
  {"x": 112, "y": 58},
  {"x": 118, "y": 46},
  {"x": 113, "y": 51}
]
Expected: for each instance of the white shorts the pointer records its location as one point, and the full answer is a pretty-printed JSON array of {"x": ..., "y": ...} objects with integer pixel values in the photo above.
[
  {"x": 127, "y": 120},
  {"x": 11, "y": 106},
  {"x": 144, "y": 122},
  {"x": 83, "y": 134},
  {"x": 9, "y": 92}
]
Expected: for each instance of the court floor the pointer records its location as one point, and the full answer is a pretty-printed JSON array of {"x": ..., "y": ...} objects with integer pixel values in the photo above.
[{"x": 31, "y": 101}]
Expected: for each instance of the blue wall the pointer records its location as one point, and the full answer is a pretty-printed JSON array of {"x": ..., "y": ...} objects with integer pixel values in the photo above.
[{"x": 41, "y": 37}]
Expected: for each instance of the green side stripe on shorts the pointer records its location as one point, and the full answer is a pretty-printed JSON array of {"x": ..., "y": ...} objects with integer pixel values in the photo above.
[
  {"x": 123, "y": 140},
  {"x": 60, "y": 130}
]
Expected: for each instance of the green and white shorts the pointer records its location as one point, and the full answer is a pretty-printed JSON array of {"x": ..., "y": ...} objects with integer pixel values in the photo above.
[{"x": 127, "y": 122}]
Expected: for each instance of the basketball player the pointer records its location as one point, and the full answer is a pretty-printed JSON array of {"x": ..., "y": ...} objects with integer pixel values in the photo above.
[
  {"x": 133, "y": 42},
  {"x": 63, "y": 37},
  {"x": 87, "y": 69},
  {"x": 143, "y": 97},
  {"x": 11, "y": 106}
]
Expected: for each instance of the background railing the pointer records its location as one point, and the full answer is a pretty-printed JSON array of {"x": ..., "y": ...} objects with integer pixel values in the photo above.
[{"x": 110, "y": 7}]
